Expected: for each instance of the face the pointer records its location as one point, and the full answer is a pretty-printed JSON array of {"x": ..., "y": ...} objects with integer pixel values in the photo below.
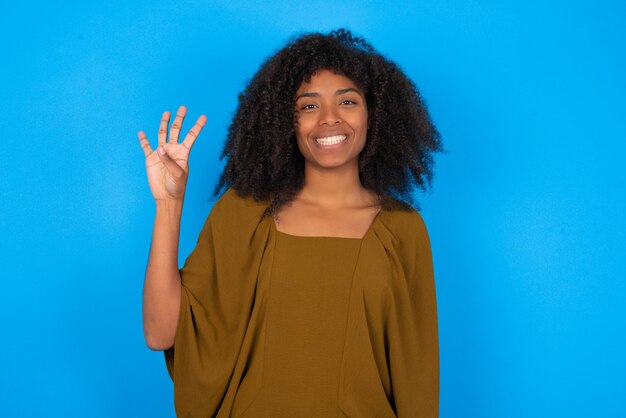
[{"x": 331, "y": 121}]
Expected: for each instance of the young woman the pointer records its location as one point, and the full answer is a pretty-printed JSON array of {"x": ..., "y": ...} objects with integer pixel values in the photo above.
[{"x": 310, "y": 292}]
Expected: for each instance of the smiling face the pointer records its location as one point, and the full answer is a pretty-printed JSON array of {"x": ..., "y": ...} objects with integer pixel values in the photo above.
[{"x": 331, "y": 121}]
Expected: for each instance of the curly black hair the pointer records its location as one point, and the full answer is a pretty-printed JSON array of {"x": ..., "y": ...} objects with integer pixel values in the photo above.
[{"x": 263, "y": 160}]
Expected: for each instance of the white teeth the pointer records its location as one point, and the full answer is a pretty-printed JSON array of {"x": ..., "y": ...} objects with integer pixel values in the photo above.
[{"x": 330, "y": 140}]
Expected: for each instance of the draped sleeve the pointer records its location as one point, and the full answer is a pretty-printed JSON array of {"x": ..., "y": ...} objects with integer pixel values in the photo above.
[
  {"x": 218, "y": 290},
  {"x": 412, "y": 324}
]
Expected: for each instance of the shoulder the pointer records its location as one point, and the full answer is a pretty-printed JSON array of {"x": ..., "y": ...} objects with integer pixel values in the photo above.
[
  {"x": 232, "y": 199},
  {"x": 409, "y": 240},
  {"x": 232, "y": 204},
  {"x": 405, "y": 223},
  {"x": 236, "y": 214}
]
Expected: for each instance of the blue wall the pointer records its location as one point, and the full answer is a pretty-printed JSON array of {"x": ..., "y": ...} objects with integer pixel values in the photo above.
[{"x": 526, "y": 216}]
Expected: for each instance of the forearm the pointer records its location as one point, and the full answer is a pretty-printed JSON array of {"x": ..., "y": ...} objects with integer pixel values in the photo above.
[{"x": 162, "y": 286}]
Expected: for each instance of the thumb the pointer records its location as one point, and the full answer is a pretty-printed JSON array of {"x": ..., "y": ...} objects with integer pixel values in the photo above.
[{"x": 172, "y": 167}]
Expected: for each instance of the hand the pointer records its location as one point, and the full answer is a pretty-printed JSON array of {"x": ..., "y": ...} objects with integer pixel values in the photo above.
[{"x": 167, "y": 166}]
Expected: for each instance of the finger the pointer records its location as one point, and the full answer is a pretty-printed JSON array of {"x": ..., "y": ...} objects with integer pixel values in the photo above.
[
  {"x": 165, "y": 120},
  {"x": 145, "y": 144},
  {"x": 177, "y": 124},
  {"x": 194, "y": 132},
  {"x": 174, "y": 169}
]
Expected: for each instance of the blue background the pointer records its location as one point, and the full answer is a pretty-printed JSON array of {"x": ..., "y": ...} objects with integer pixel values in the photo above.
[{"x": 526, "y": 215}]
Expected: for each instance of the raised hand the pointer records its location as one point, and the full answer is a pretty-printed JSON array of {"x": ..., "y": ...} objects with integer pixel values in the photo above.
[{"x": 168, "y": 166}]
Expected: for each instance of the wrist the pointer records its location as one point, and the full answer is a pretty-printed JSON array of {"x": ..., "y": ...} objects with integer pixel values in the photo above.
[{"x": 170, "y": 207}]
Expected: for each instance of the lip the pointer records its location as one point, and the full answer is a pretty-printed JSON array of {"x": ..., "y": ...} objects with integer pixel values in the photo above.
[{"x": 326, "y": 134}]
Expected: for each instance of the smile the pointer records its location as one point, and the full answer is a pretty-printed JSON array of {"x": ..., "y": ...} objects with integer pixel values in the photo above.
[{"x": 331, "y": 140}]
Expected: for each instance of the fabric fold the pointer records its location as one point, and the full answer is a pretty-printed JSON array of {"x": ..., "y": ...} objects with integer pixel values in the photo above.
[
  {"x": 219, "y": 282},
  {"x": 390, "y": 365}
]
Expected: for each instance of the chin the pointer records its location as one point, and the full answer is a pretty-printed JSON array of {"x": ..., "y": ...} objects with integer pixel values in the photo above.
[{"x": 333, "y": 165}]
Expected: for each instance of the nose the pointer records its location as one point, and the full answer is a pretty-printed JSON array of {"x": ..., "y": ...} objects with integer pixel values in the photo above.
[{"x": 329, "y": 116}]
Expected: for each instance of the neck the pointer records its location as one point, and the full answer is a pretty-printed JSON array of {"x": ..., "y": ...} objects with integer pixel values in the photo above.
[{"x": 334, "y": 188}]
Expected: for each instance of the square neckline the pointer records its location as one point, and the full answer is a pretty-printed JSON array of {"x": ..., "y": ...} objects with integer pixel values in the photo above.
[{"x": 328, "y": 237}]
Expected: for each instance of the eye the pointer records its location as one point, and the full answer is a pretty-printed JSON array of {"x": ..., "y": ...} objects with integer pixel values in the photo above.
[
  {"x": 348, "y": 102},
  {"x": 308, "y": 107}
]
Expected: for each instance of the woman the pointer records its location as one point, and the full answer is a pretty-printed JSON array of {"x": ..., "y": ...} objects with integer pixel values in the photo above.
[{"x": 310, "y": 291}]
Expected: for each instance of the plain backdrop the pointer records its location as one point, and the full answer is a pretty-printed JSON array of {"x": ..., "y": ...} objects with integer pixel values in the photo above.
[{"x": 526, "y": 213}]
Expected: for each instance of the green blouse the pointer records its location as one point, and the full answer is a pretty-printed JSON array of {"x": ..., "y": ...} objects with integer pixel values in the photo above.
[{"x": 277, "y": 325}]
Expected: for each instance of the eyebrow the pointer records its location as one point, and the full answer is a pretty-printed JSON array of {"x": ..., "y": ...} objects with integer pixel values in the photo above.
[{"x": 337, "y": 93}]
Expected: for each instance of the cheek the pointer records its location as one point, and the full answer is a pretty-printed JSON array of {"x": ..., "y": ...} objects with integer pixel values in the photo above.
[
  {"x": 366, "y": 120},
  {"x": 301, "y": 137},
  {"x": 303, "y": 126},
  {"x": 303, "y": 147},
  {"x": 361, "y": 124}
]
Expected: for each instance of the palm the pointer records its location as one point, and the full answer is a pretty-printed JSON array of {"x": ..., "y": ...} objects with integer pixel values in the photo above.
[
  {"x": 162, "y": 184},
  {"x": 167, "y": 174}
]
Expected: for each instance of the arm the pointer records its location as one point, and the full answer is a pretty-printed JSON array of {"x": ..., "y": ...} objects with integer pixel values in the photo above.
[
  {"x": 161, "y": 291},
  {"x": 167, "y": 170},
  {"x": 424, "y": 302},
  {"x": 415, "y": 348}
]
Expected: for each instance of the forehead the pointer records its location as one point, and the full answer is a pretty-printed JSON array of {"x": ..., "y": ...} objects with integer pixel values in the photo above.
[{"x": 326, "y": 80}]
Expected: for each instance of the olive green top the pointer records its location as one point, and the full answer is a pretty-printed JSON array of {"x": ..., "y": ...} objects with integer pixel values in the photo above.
[{"x": 276, "y": 325}]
